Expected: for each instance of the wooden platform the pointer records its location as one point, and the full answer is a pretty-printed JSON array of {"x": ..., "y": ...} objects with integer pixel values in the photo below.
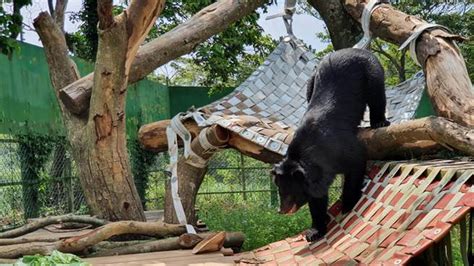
[{"x": 175, "y": 257}]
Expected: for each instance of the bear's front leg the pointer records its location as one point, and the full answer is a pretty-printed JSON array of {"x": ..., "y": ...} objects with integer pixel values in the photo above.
[{"x": 318, "y": 209}]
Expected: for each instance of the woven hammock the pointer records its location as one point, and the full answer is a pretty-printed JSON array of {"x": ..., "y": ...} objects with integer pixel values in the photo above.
[{"x": 405, "y": 208}]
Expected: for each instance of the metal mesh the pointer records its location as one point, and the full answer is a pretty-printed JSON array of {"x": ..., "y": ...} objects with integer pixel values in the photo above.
[{"x": 28, "y": 190}]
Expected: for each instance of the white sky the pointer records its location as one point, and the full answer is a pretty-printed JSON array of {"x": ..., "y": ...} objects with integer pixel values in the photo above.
[{"x": 305, "y": 26}]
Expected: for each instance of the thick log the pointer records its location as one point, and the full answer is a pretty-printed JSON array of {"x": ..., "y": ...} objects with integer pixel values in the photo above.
[
  {"x": 422, "y": 132},
  {"x": 42, "y": 222},
  {"x": 417, "y": 137},
  {"x": 153, "y": 137},
  {"x": 80, "y": 243},
  {"x": 156, "y": 229},
  {"x": 173, "y": 44},
  {"x": 448, "y": 83},
  {"x": 185, "y": 241}
]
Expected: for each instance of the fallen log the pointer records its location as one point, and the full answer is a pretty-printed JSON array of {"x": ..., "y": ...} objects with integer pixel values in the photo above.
[
  {"x": 42, "y": 222},
  {"x": 185, "y": 241},
  {"x": 80, "y": 243}
]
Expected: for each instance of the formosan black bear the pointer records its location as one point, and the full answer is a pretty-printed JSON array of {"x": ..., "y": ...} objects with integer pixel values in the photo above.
[{"x": 325, "y": 143}]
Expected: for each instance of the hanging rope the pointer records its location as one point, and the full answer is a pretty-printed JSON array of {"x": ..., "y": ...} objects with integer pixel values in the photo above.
[{"x": 365, "y": 22}]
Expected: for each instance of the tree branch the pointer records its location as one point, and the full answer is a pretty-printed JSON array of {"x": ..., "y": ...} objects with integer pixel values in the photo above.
[
  {"x": 62, "y": 70},
  {"x": 104, "y": 12},
  {"x": 42, "y": 222},
  {"x": 448, "y": 83},
  {"x": 59, "y": 11},
  {"x": 171, "y": 45},
  {"x": 343, "y": 30}
]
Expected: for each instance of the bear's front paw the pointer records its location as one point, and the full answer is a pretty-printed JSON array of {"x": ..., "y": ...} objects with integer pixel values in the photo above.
[
  {"x": 313, "y": 235},
  {"x": 384, "y": 123}
]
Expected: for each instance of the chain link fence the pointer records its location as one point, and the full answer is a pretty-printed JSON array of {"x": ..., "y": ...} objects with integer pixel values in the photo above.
[{"x": 39, "y": 178}]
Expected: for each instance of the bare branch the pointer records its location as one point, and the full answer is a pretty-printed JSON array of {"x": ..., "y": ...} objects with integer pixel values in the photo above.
[
  {"x": 59, "y": 13},
  {"x": 171, "y": 45}
]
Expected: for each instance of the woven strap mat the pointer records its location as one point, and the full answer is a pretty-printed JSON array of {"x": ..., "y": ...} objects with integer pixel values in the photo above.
[{"x": 405, "y": 208}]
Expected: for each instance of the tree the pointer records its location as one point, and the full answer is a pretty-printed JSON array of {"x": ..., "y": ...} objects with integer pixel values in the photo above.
[{"x": 97, "y": 136}]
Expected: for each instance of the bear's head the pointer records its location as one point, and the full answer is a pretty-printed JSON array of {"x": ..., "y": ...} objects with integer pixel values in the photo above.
[{"x": 289, "y": 177}]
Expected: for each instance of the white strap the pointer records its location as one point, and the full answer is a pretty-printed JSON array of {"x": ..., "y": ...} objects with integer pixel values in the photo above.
[
  {"x": 365, "y": 22},
  {"x": 173, "y": 152},
  {"x": 414, "y": 37}
]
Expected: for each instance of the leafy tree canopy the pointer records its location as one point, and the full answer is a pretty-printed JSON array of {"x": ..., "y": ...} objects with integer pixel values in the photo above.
[{"x": 224, "y": 60}]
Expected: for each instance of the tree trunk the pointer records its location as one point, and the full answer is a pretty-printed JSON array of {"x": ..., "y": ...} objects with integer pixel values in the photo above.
[
  {"x": 343, "y": 29},
  {"x": 173, "y": 44},
  {"x": 448, "y": 83},
  {"x": 190, "y": 177},
  {"x": 99, "y": 141}
]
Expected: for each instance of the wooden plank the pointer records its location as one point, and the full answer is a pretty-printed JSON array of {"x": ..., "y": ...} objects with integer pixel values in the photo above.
[
  {"x": 143, "y": 256},
  {"x": 178, "y": 257}
]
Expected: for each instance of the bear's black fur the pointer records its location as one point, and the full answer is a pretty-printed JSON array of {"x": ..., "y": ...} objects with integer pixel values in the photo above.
[{"x": 326, "y": 144}]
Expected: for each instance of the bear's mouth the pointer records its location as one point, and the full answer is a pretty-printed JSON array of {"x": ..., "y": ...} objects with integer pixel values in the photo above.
[{"x": 289, "y": 209}]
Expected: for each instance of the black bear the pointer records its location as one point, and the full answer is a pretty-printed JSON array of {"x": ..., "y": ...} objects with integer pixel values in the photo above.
[{"x": 325, "y": 143}]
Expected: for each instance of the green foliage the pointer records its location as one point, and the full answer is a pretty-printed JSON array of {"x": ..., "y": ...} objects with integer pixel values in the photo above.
[
  {"x": 224, "y": 60},
  {"x": 55, "y": 259},
  {"x": 260, "y": 223},
  {"x": 10, "y": 26},
  {"x": 141, "y": 161},
  {"x": 84, "y": 42}
]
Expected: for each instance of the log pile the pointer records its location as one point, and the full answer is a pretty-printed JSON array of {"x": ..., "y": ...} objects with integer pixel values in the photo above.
[{"x": 97, "y": 242}]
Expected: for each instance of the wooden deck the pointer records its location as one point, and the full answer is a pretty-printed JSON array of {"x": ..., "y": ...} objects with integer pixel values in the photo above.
[{"x": 175, "y": 257}]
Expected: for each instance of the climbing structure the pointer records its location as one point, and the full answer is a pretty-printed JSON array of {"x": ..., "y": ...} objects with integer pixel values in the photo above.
[
  {"x": 267, "y": 107},
  {"x": 406, "y": 208}
]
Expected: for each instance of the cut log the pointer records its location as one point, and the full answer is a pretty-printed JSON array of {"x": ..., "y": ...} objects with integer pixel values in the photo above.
[
  {"x": 80, "y": 243},
  {"x": 185, "y": 241},
  {"x": 42, "y": 222},
  {"x": 447, "y": 79},
  {"x": 171, "y": 45},
  {"x": 156, "y": 229}
]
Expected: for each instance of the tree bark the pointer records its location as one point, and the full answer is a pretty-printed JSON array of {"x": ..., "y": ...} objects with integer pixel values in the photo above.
[
  {"x": 417, "y": 137},
  {"x": 42, "y": 222},
  {"x": 173, "y": 44},
  {"x": 82, "y": 242},
  {"x": 107, "y": 178},
  {"x": 190, "y": 177},
  {"x": 448, "y": 83},
  {"x": 343, "y": 29},
  {"x": 185, "y": 241},
  {"x": 98, "y": 140}
]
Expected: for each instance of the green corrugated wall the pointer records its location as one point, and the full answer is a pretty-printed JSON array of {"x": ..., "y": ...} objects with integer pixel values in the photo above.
[{"x": 28, "y": 104}]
